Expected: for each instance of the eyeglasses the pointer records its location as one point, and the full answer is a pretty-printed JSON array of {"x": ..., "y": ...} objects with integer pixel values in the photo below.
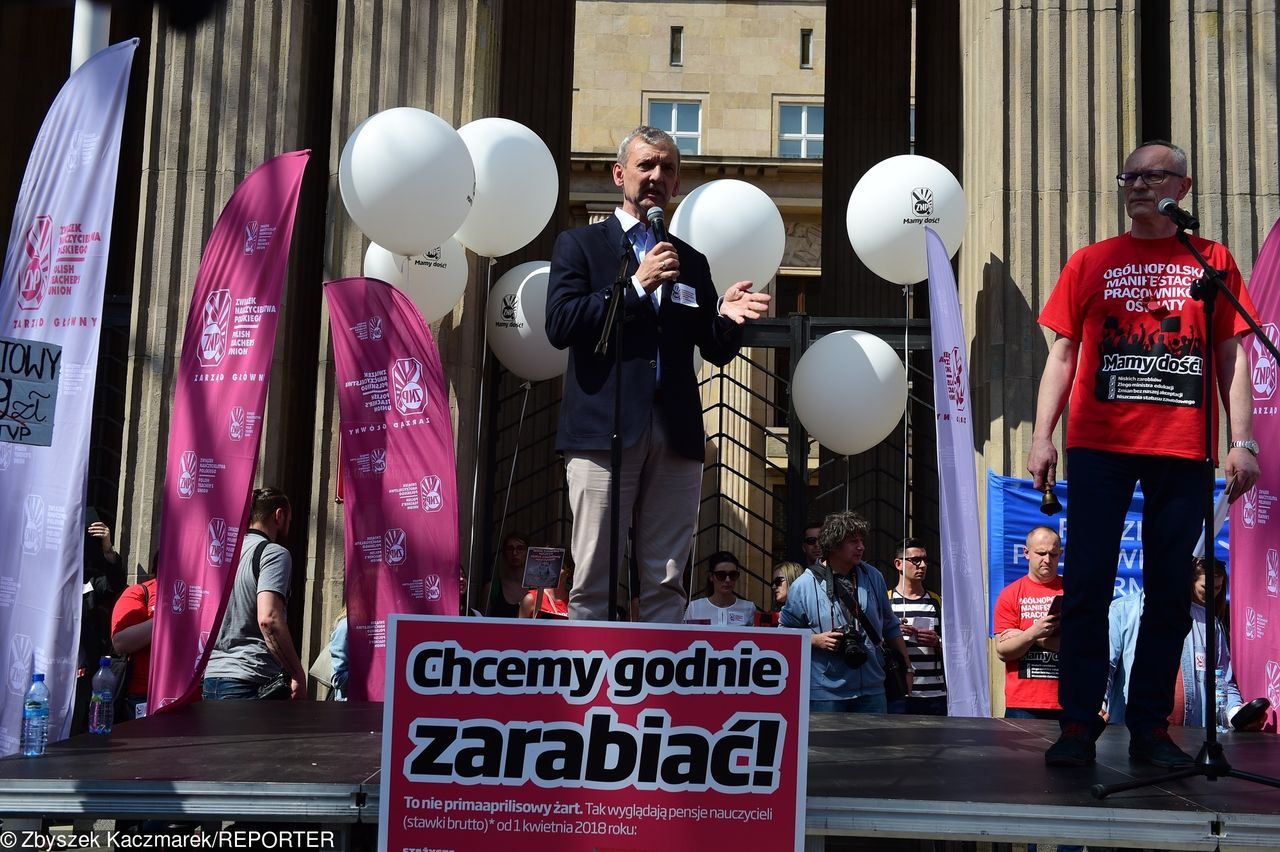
[
  {"x": 778, "y": 582},
  {"x": 725, "y": 575},
  {"x": 917, "y": 560},
  {"x": 811, "y": 539},
  {"x": 1152, "y": 177}
]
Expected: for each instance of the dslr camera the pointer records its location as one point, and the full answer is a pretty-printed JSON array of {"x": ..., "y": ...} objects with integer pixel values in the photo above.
[{"x": 852, "y": 646}]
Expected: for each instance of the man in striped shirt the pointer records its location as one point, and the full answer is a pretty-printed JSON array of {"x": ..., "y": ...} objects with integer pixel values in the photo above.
[{"x": 920, "y": 612}]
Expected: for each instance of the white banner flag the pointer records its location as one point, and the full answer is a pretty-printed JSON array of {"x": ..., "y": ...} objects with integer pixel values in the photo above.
[
  {"x": 51, "y": 291},
  {"x": 964, "y": 611}
]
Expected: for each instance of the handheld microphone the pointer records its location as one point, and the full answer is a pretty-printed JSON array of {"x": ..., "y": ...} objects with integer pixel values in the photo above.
[
  {"x": 657, "y": 225},
  {"x": 1181, "y": 218}
]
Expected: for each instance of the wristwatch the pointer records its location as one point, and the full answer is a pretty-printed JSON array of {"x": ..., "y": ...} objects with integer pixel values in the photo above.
[{"x": 1250, "y": 445}]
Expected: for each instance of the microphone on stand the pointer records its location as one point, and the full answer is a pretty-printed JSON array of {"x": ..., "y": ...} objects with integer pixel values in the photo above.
[
  {"x": 1182, "y": 218},
  {"x": 657, "y": 225}
]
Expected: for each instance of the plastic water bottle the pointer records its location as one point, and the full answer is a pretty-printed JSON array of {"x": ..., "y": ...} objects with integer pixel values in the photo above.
[
  {"x": 35, "y": 717},
  {"x": 102, "y": 700},
  {"x": 1220, "y": 700}
]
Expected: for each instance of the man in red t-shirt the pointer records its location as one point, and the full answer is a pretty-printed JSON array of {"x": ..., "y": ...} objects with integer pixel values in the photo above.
[
  {"x": 1128, "y": 350},
  {"x": 1027, "y": 631},
  {"x": 131, "y": 623}
]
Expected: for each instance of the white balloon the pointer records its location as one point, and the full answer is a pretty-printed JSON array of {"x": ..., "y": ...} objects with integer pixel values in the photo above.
[
  {"x": 850, "y": 391},
  {"x": 406, "y": 179},
  {"x": 737, "y": 227},
  {"x": 517, "y": 323},
  {"x": 516, "y": 186},
  {"x": 435, "y": 280},
  {"x": 889, "y": 209}
]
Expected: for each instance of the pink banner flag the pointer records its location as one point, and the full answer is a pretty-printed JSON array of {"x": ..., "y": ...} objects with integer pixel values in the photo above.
[
  {"x": 1255, "y": 516},
  {"x": 217, "y": 419},
  {"x": 54, "y": 272},
  {"x": 399, "y": 482}
]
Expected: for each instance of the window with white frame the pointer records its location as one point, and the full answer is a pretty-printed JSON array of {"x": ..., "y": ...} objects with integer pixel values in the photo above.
[
  {"x": 800, "y": 130},
  {"x": 682, "y": 119}
]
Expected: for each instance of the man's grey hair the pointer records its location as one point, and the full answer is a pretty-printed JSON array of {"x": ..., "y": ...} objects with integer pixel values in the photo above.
[
  {"x": 652, "y": 135},
  {"x": 1179, "y": 155},
  {"x": 839, "y": 526}
]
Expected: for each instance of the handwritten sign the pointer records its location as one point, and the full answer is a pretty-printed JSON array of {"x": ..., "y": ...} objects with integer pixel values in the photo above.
[{"x": 29, "y": 372}]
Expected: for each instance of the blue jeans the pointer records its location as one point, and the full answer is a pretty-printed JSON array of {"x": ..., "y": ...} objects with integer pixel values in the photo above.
[
  {"x": 1100, "y": 485},
  {"x": 862, "y": 704},
  {"x": 919, "y": 706},
  {"x": 228, "y": 689}
]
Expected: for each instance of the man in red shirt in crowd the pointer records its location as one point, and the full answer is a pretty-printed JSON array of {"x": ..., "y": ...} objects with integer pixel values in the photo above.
[
  {"x": 1128, "y": 350},
  {"x": 1027, "y": 631}
]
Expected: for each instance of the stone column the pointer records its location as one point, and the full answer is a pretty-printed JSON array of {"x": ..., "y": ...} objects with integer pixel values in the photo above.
[
  {"x": 439, "y": 56},
  {"x": 1050, "y": 108}
]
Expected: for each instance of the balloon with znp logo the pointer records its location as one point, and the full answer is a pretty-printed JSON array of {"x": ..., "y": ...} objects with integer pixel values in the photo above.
[
  {"x": 435, "y": 280},
  {"x": 517, "y": 323},
  {"x": 889, "y": 209}
]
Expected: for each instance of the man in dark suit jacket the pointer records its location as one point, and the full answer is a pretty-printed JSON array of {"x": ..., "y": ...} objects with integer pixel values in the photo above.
[{"x": 670, "y": 306}]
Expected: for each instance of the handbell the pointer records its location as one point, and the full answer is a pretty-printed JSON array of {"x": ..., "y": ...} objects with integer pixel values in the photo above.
[{"x": 1049, "y": 504}]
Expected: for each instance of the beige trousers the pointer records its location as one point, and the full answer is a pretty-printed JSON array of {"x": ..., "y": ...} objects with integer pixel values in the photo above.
[{"x": 660, "y": 492}]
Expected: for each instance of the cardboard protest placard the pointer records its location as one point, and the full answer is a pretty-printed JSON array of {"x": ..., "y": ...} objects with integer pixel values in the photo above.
[
  {"x": 591, "y": 735},
  {"x": 29, "y": 374}
]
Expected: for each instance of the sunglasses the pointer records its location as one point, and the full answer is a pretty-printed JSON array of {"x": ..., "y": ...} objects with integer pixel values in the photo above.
[
  {"x": 725, "y": 575},
  {"x": 917, "y": 560},
  {"x": 778, "y": 582},
  {"x": 812, "y": 539}
]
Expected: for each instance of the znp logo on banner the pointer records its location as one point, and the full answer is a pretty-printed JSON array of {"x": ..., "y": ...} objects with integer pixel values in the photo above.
[
  {"x": 33, "y": 515},
  {"x": 216, "y": 328},
  {"x": 410, "y": 394},
  {"x": 39, "y": 250},
  {"x": 257, "y": 237},
  {"x": 1249, "y": 508},
  {"x": 178, "y": 599},
  {"x": 429, "y": 494},
  {"x": 1262, "y": 365},
  {"x": 395, "y": 548},
  {"x": 1273, "y": 572},
  {"x": 187, "y": 465},
  {"x": 953, "y": 365},
  {"x": 216, "y": 549},
  {"x": 235, "y": 424}
]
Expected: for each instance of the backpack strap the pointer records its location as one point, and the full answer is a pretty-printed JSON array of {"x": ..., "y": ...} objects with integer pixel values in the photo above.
[{"x": 257, "y": 553}]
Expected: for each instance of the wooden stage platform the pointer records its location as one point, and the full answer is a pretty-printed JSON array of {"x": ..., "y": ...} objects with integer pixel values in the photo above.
[{"x": 869, "y": 776}]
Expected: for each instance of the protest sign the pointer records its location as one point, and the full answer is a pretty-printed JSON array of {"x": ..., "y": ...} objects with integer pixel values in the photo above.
[
  {"x": 29, "y": 372},
  {"x": 592, "y": 736}
]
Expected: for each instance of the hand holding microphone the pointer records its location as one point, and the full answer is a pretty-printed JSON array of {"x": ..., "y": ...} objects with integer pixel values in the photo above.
[{"x": 661, "y": 263}]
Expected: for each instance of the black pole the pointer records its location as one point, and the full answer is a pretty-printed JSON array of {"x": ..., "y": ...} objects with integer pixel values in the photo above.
[{"x": 612, "y": 334}]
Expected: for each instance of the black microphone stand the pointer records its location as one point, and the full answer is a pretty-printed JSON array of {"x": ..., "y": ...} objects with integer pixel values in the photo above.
[
  {"x": 1211, "y": 761},
  {"x": 612, "y": 332}
]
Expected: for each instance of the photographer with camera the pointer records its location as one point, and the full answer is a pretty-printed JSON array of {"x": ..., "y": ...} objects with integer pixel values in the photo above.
[{"x": 838, "y": 599}]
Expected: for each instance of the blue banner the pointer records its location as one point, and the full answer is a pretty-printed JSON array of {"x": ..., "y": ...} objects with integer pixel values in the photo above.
[{"x": 1013, "y": 510}]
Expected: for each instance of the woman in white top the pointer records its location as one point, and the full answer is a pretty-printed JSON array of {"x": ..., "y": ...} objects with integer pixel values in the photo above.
[{"x": 721, "y": 607}]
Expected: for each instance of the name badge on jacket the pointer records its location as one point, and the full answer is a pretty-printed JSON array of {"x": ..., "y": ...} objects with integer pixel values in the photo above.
[{"x": 683, "y": 294}]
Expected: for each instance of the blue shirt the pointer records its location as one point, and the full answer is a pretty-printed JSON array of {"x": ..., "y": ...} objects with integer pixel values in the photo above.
[
  {"x": 810, "y": 606},
  {"x": 1125, "y": 616}
]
